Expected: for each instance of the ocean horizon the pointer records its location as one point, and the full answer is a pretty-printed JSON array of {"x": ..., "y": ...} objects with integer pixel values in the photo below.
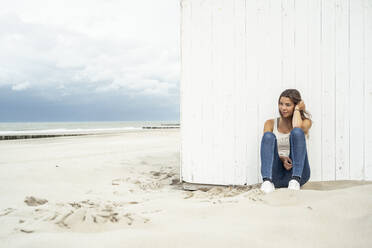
[{"x": 14, "y": 128}]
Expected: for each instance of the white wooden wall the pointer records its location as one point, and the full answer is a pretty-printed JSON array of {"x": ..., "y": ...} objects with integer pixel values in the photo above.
[{"x": 239, "y": 55}]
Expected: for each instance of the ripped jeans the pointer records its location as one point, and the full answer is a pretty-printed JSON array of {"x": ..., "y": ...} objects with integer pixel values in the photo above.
[{"x": 272, "y": 167}]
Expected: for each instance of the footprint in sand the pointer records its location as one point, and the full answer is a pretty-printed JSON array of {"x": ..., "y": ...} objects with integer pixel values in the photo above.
[
  {"x": 6, "y": 211},
  {"x": 151, "y": 180},
  {"x": 254, "y": 195},
  {"x": 33, "y": 201},
  {"x": 82, "y": 215},
  {"x": 155, "y": 180},
  {"x": 222, "y": 194},
  {"x": 116, "y": 181}
]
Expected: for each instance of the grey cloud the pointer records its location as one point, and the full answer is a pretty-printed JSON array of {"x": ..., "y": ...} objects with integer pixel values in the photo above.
[
  {"x": 43, "y": 55},
  {"x": 65, "y": 64},
  {"x": 30, "y": 106}
]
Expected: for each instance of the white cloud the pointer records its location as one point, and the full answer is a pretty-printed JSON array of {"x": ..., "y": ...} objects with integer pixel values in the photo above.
[
  {"x": 96, "y": 45},
  {"x": 21, "y": 86}
]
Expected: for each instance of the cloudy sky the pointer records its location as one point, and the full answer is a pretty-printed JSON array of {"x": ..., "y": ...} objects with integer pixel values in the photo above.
[{"x": 89, "y": 60}]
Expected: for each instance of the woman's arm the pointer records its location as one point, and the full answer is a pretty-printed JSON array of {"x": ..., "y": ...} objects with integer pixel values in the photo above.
[
  {"x": 297, "y": 121},
  {"x": 269, "y": 126}
]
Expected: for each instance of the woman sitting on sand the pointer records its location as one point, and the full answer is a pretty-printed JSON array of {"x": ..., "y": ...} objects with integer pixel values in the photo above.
[{"x": 284, "y": 159}]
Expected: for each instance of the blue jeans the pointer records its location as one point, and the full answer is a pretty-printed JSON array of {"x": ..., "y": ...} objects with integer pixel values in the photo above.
[{"x": 272, "y": 167}]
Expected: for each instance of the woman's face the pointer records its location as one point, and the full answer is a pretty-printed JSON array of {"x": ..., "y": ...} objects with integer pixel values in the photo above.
[{"x": 286, "y": 107}]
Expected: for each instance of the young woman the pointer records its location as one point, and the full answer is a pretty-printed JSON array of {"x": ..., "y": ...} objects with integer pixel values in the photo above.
[{"x": 284, "y": 161}]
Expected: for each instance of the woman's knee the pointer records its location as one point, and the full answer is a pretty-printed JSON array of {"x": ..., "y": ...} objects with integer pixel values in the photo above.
[
  {"x": 297, "y": 132},
  {"x": 268, "y": 136}
]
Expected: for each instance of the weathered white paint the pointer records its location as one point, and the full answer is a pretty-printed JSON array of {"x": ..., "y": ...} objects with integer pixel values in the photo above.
[
  {"x": 239, "y": 55},
  {"x": 367, "y": 78}
]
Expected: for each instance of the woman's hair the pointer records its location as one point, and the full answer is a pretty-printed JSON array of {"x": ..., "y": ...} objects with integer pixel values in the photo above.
[{"x": 295, "y": 96}]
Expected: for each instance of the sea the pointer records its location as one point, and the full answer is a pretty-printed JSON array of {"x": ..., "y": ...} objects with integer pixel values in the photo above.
[{"x": 19, "y": 128}]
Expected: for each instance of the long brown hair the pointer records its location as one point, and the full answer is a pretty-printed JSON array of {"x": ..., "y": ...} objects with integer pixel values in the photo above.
[{"x": 295, "y": 96}]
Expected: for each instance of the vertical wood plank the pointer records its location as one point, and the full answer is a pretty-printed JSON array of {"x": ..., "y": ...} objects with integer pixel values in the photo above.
[
  {"x": 201, "y": 86},
  {"x": 193, "y": 103},
  {"x": 223, "y": 68},
  {"x": 185, "y": 121},
  {"x": 266, "y": 98},
  {"x": 367, "y": 4},
  {"x": 328, "y": 90},
  {"x": 273, "y": 58},
  {"x": 300, "y": 47},
  {"x": 251, "y": 70},
  {"x": 342, "y": 89},
  {"x": 260, "y": 8},
  {"x": 315, "y": 88},
  {"x": 288, "y": 44},
  {"x": 241, "y": 94},
  {"x": 356, "y": 89}
]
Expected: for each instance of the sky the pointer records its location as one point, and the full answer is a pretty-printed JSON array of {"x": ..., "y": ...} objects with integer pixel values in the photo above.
[{"x": 89, "y": 60}]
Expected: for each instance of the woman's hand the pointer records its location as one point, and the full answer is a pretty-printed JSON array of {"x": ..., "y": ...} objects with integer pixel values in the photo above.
[
  {"x": 300, "y": 105},
  {"x": 287, "y": 162}
]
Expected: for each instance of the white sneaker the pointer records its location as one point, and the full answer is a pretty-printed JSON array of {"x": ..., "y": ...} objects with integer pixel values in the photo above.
[
  {"x": 267, "y": 186},
  {"x": 294, "y": 184}
]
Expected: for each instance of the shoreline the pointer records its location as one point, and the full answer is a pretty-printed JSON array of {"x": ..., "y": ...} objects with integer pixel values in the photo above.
[{"x": 43, "y": 134}]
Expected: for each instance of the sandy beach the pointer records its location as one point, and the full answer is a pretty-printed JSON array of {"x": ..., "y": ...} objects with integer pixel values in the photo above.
[{"x": 123, "y": 190}]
